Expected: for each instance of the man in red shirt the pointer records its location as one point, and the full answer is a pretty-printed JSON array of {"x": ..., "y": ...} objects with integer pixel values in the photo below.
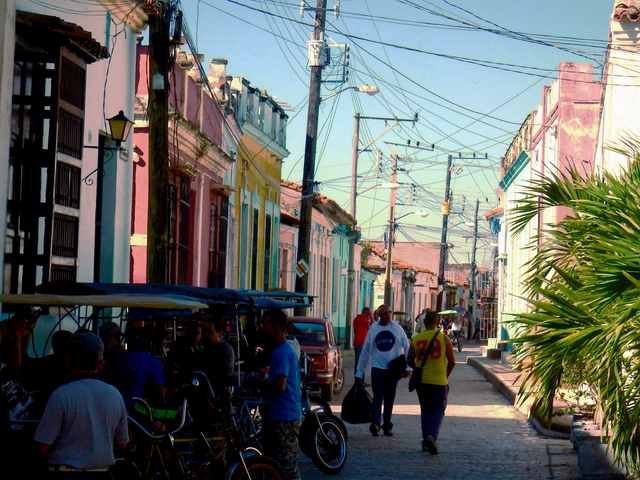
[{"x": 361, "y": 326}]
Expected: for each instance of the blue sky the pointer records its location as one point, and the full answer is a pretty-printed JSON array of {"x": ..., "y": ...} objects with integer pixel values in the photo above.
[{"x": 420, "y": 82}]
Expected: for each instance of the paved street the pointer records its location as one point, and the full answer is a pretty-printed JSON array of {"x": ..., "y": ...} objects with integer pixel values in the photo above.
[{"x": 482, "y": 438}]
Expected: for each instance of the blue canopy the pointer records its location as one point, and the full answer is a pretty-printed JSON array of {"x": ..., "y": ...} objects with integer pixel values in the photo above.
[{"x": 210, "y": 296}]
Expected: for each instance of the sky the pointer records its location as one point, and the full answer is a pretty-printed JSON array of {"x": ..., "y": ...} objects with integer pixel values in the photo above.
[{"x": 463, "y": 106}]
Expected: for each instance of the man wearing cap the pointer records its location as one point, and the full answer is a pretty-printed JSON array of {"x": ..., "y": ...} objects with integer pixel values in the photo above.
[{"x": 84, "y": 419}]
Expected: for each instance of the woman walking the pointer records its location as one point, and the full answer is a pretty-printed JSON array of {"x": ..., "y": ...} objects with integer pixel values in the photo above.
[{"x": 431, "y": 356}]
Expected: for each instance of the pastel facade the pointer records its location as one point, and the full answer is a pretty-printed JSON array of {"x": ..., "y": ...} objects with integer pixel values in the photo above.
[
  {"x": 55, "y": 66},
  {"x": 261, "y": 151},
  {"x": 201, "y": 167},
  {"x": 621, "y": 95},
  {"x": 332, "y": 231},
  {"x": 560, "y": 134}
]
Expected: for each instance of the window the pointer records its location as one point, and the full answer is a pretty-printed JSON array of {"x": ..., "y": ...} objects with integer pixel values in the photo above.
[
  {"x": 284, "y": 268},
  {"x": 72, "y": 86},
  {"x": 65, "y": 236},
  {"x": 70, "y": 130},
  {"x": 68, "y": 185},
  {"x": 267, "y": 252},
  {"x": 254, "y": 249},
  {"x": 64, "y": 273},
  {"x": 336, "y": 285},
  {"x": 244, "y": 235},
  {"x": 218, "y": 241},
  {"x": 184, "y": 232}
]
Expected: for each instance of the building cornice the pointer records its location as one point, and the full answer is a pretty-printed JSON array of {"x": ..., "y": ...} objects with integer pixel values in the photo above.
[
  {"x": 627, "y": 11},
  {"x": 131, "y": 12},
  {"x": 264, "y": 140},
  {"x": 514, "y": 170}
]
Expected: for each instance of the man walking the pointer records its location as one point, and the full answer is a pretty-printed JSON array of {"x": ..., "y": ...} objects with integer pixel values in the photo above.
[
  {"x": 84, "y": 419},
  {"x": 361, "y": 326},
  {"x": 432, "y": 353},
  {"x": 283, "y": 410},
  {"x": 386, "y": 341}
]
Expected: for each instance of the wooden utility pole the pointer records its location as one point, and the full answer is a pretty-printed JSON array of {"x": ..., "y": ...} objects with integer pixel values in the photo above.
[
  {"x": 446, "y": 208},
  {"x": 317, "y": 61},
  {"x": 392, "y": 230},
  {"x": 474, "y": 274},
  {"x": 158, "y": 116}
]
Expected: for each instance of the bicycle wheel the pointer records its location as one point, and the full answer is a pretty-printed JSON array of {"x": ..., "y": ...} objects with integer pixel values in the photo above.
[
  {"x": 259, "y": 467},
  {"x": 329, "y": 447}
]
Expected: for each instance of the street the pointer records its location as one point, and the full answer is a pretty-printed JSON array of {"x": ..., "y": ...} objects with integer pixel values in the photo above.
[{"x": 482, "y": 438}]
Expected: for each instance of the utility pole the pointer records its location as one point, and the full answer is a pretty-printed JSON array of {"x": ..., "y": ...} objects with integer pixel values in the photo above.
[
  {"x": 158, "y": 115},
  {"x": 472, "y": 280},
  {"x": 446, "y": 208},
  {"x": 317, "y": 61},
  {"x": 392, "y": 229},
  {"x": 355, "y": 154}
]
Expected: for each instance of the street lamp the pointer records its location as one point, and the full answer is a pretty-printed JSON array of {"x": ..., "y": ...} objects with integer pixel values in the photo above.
[
  {"x": 119, "y": 129},
  {"x": 119, "y": 126},
  {"x": 370, "y": 90}
]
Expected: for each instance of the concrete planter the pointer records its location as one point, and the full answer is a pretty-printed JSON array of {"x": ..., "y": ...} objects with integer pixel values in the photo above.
[{"x": 594, "y": 459}]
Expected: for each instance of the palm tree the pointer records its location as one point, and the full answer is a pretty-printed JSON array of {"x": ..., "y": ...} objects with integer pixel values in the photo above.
[{"x": 584, "y": 292}]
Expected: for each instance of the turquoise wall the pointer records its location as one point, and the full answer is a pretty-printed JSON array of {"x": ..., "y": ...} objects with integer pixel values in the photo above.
[{"x": 340, "y": 264}]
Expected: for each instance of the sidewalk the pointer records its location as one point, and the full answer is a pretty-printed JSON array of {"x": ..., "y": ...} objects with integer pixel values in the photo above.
[{"x": 483, "y": 438}]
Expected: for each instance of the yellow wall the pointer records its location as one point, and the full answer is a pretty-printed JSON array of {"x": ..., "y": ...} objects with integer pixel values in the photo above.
[{"x": 258, "y": 172}]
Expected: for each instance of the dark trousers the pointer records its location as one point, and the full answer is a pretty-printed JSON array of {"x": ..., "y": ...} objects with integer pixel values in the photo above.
[
  {"x": 358, "y": 351},
  {"x": 433, "y": 402},
  {"x": 383, "y": 384}
]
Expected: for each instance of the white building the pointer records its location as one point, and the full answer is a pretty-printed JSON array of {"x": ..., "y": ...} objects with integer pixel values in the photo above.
[
  {"x": 66, "y": 72},
  {"x": 621, "y": 95}
]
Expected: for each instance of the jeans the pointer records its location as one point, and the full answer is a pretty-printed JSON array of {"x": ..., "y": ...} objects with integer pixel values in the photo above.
[
  {"x": 433, "y": 402},
  {"x": 383, "y": 384}
]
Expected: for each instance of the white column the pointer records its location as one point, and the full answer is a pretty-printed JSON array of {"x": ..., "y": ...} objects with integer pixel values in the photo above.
[{"x": 7, "y": 51}]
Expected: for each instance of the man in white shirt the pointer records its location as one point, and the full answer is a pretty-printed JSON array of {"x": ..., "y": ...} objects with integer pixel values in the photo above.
[
  {"x": 385, "y": 342},
  {"x": 84, "y": 419}
]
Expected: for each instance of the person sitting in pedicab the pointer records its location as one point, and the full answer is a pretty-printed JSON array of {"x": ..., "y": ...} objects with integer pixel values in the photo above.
[{"x": 135, "y": 371}]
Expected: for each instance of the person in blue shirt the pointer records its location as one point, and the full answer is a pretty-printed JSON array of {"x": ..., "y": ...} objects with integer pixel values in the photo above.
[
  {"x": 136, "y": 372},
  {"x": 283, "y": 390}
]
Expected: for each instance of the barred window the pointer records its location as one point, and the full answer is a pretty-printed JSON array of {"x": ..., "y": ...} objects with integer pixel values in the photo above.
[
  {"x": 65, "y": 236},
  {"x": 72, "y": 86},
  {"x": 68, "y": 185},
  {"x": 64, "y": 273},
  {"x": 70, "y": 131}
]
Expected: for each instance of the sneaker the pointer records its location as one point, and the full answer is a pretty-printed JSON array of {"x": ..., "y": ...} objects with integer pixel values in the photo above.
[
  {"x": 374, "y": 429},
  {"x": 388, "y": 430},
  {"x": 429, "y": 445}
]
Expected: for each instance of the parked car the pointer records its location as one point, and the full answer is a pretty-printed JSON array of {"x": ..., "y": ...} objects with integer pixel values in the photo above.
[{"x": 317, "y": 340}]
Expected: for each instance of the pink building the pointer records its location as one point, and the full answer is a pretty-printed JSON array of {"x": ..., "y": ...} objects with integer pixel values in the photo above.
[
  {"x": 559, "y": 134},
  {"x": 201, "y": 166}
]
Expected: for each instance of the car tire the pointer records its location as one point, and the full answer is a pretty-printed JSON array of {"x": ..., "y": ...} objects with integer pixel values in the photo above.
[
  {"x": 326, "y": 392},
  {"x": 338, "y": 382}
]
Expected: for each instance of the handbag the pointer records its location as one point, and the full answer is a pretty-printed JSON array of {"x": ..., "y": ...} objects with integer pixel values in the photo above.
[
  {"x": 398, "y": 366},
  {"x": 416, "y": 374}
]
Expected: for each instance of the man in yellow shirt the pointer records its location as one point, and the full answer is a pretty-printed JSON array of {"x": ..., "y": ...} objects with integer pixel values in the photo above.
[{"x": 432, "y": 352}]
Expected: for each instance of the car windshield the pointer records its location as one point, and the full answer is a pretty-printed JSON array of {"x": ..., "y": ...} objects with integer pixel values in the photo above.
[{"x": 308, "y": 333}]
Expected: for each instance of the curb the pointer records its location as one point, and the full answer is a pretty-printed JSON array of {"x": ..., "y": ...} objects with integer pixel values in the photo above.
[{"x": 508, "y": 392}]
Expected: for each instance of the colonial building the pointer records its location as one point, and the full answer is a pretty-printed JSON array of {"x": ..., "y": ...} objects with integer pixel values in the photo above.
[
  {"x": 560, "y": 134},
  {"x": 261, "y": 150},
  {"x": 201, "y": 166},
  {"x": 331, "y": 233},
  {"x": 60, "y": 176},
  {"x": 621, "y": 91}
]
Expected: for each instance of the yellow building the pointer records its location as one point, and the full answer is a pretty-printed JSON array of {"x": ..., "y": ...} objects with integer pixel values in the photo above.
[{"x": 262, "y": 149}]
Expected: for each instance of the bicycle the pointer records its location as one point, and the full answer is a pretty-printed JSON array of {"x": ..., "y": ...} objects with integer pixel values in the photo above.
[
  {"x": 456, "y": 339},
  {"x": 190, "y": 452}
]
